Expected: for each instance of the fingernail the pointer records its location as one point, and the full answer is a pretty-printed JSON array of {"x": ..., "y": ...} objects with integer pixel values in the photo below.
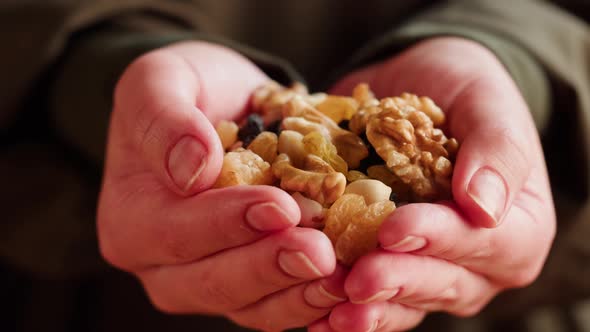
[
  {"x": 316, "y": 295},
  {"x": 488, "y": 189},
  {"x": 383, "y": 295},
  {"x": 296, "y": 264},
  {"x": 409, "y": 243},
  {"x": 268, "y": 217},
  {"x": 186, "y": 162}
]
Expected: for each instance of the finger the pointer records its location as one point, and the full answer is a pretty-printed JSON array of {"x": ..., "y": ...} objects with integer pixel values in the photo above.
[
  {"x": 294, "y": 307},
  {"x": 497, "y": 152},
  {"x": 322, "y": 325},
  {"x": 516, "y": 250},
  {"x": 374, "y": 317},
  {"x": 235, "y": 278},
  {"x": 164, "y": 105},
  {"x": 408, "y": 279},
  {"x": 166, "y": 230},
  {"x": 397, "y": 317}
]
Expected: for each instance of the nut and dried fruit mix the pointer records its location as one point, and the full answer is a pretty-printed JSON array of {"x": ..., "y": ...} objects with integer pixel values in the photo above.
[{"x": 347, "y": 161}]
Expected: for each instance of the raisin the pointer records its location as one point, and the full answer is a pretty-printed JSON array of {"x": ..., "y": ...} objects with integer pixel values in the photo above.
[
  {"x": 251, "y": 129},
  {"x": 394, "y": 197},
  {"x": 344, "y": 124},
  {"x": 275, "y": 127},
  {"x": 372, "y": 159}
]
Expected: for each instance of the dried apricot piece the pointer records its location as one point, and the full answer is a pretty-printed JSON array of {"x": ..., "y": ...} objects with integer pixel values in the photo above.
[{"x": 341, "y": 213}]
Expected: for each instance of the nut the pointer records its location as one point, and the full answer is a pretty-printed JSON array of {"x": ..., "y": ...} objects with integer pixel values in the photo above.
[
  {"x": 243, "y": 167},
  {"x": 358, "y": 122},
  {"x": 312, "y": 212},
  {"x": 423, "y": 104},
  {"x": 372, "y": 190},
  {"x": 291, "y": 143},
  {"x": 265, "y": 145},
  {"x": 324, "y": 188},
  {"x": 305, "y": 127},
  {"x": 412, "y": 148},
  {"x": 227, "y": 132},
  {"x": 314, "y": 163}
]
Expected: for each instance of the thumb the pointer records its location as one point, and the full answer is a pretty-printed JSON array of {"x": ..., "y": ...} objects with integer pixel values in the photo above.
[
  {"x": 498, "y": 145},
  {"x": 161, "y": 104}
]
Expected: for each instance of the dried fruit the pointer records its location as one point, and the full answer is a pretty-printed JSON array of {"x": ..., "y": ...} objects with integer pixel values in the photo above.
[
  {"x": 353, "y": 175},
  {"x": 352, "y": 225},
  {"x": 338, "y": 108},
  {"x": 253, "y": 126},
  {"x": 315, "y": 143},
  {"x": 227, "y": 132},
  {"x": 350, "y": 147}
]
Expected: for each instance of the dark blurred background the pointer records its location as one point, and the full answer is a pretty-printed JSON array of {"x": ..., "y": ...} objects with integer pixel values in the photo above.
[{"x": 59, "y": 62}]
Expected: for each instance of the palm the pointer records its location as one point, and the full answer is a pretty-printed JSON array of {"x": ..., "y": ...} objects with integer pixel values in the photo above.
[{"x": 497, "y": 231}]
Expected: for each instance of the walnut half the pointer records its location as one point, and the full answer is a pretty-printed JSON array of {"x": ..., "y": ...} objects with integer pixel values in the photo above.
[
  {"x": 419, "y": 154},
  {"x": 324, "y": 188}
]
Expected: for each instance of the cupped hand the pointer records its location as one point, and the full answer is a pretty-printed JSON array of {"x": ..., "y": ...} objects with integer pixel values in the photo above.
[
  {"x": 231, "y": 251},
  {"x": 496, "y": 233}
]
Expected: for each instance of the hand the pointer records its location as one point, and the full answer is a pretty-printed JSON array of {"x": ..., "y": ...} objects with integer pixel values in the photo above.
[
  {"x": 496, "y": 234},
  {"x": 231, "y": 251}
]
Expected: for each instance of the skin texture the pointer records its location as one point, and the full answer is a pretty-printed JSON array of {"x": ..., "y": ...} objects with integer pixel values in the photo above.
[
  {"x": 497, "y": 232},
  {"x": 158, "y": 219}
]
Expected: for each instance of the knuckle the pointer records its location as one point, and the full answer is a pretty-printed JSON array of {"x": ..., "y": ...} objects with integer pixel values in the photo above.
[
  {"x": 231, "y": 233},
  {"x": 268, "y": 275}
]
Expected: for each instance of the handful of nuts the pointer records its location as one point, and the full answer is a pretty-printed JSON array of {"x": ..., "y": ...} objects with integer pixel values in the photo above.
[{"x": 347, "y": 161}]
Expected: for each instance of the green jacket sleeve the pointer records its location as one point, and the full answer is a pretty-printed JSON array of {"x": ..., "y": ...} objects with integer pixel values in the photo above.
[{"x": 547, "y": 52}]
